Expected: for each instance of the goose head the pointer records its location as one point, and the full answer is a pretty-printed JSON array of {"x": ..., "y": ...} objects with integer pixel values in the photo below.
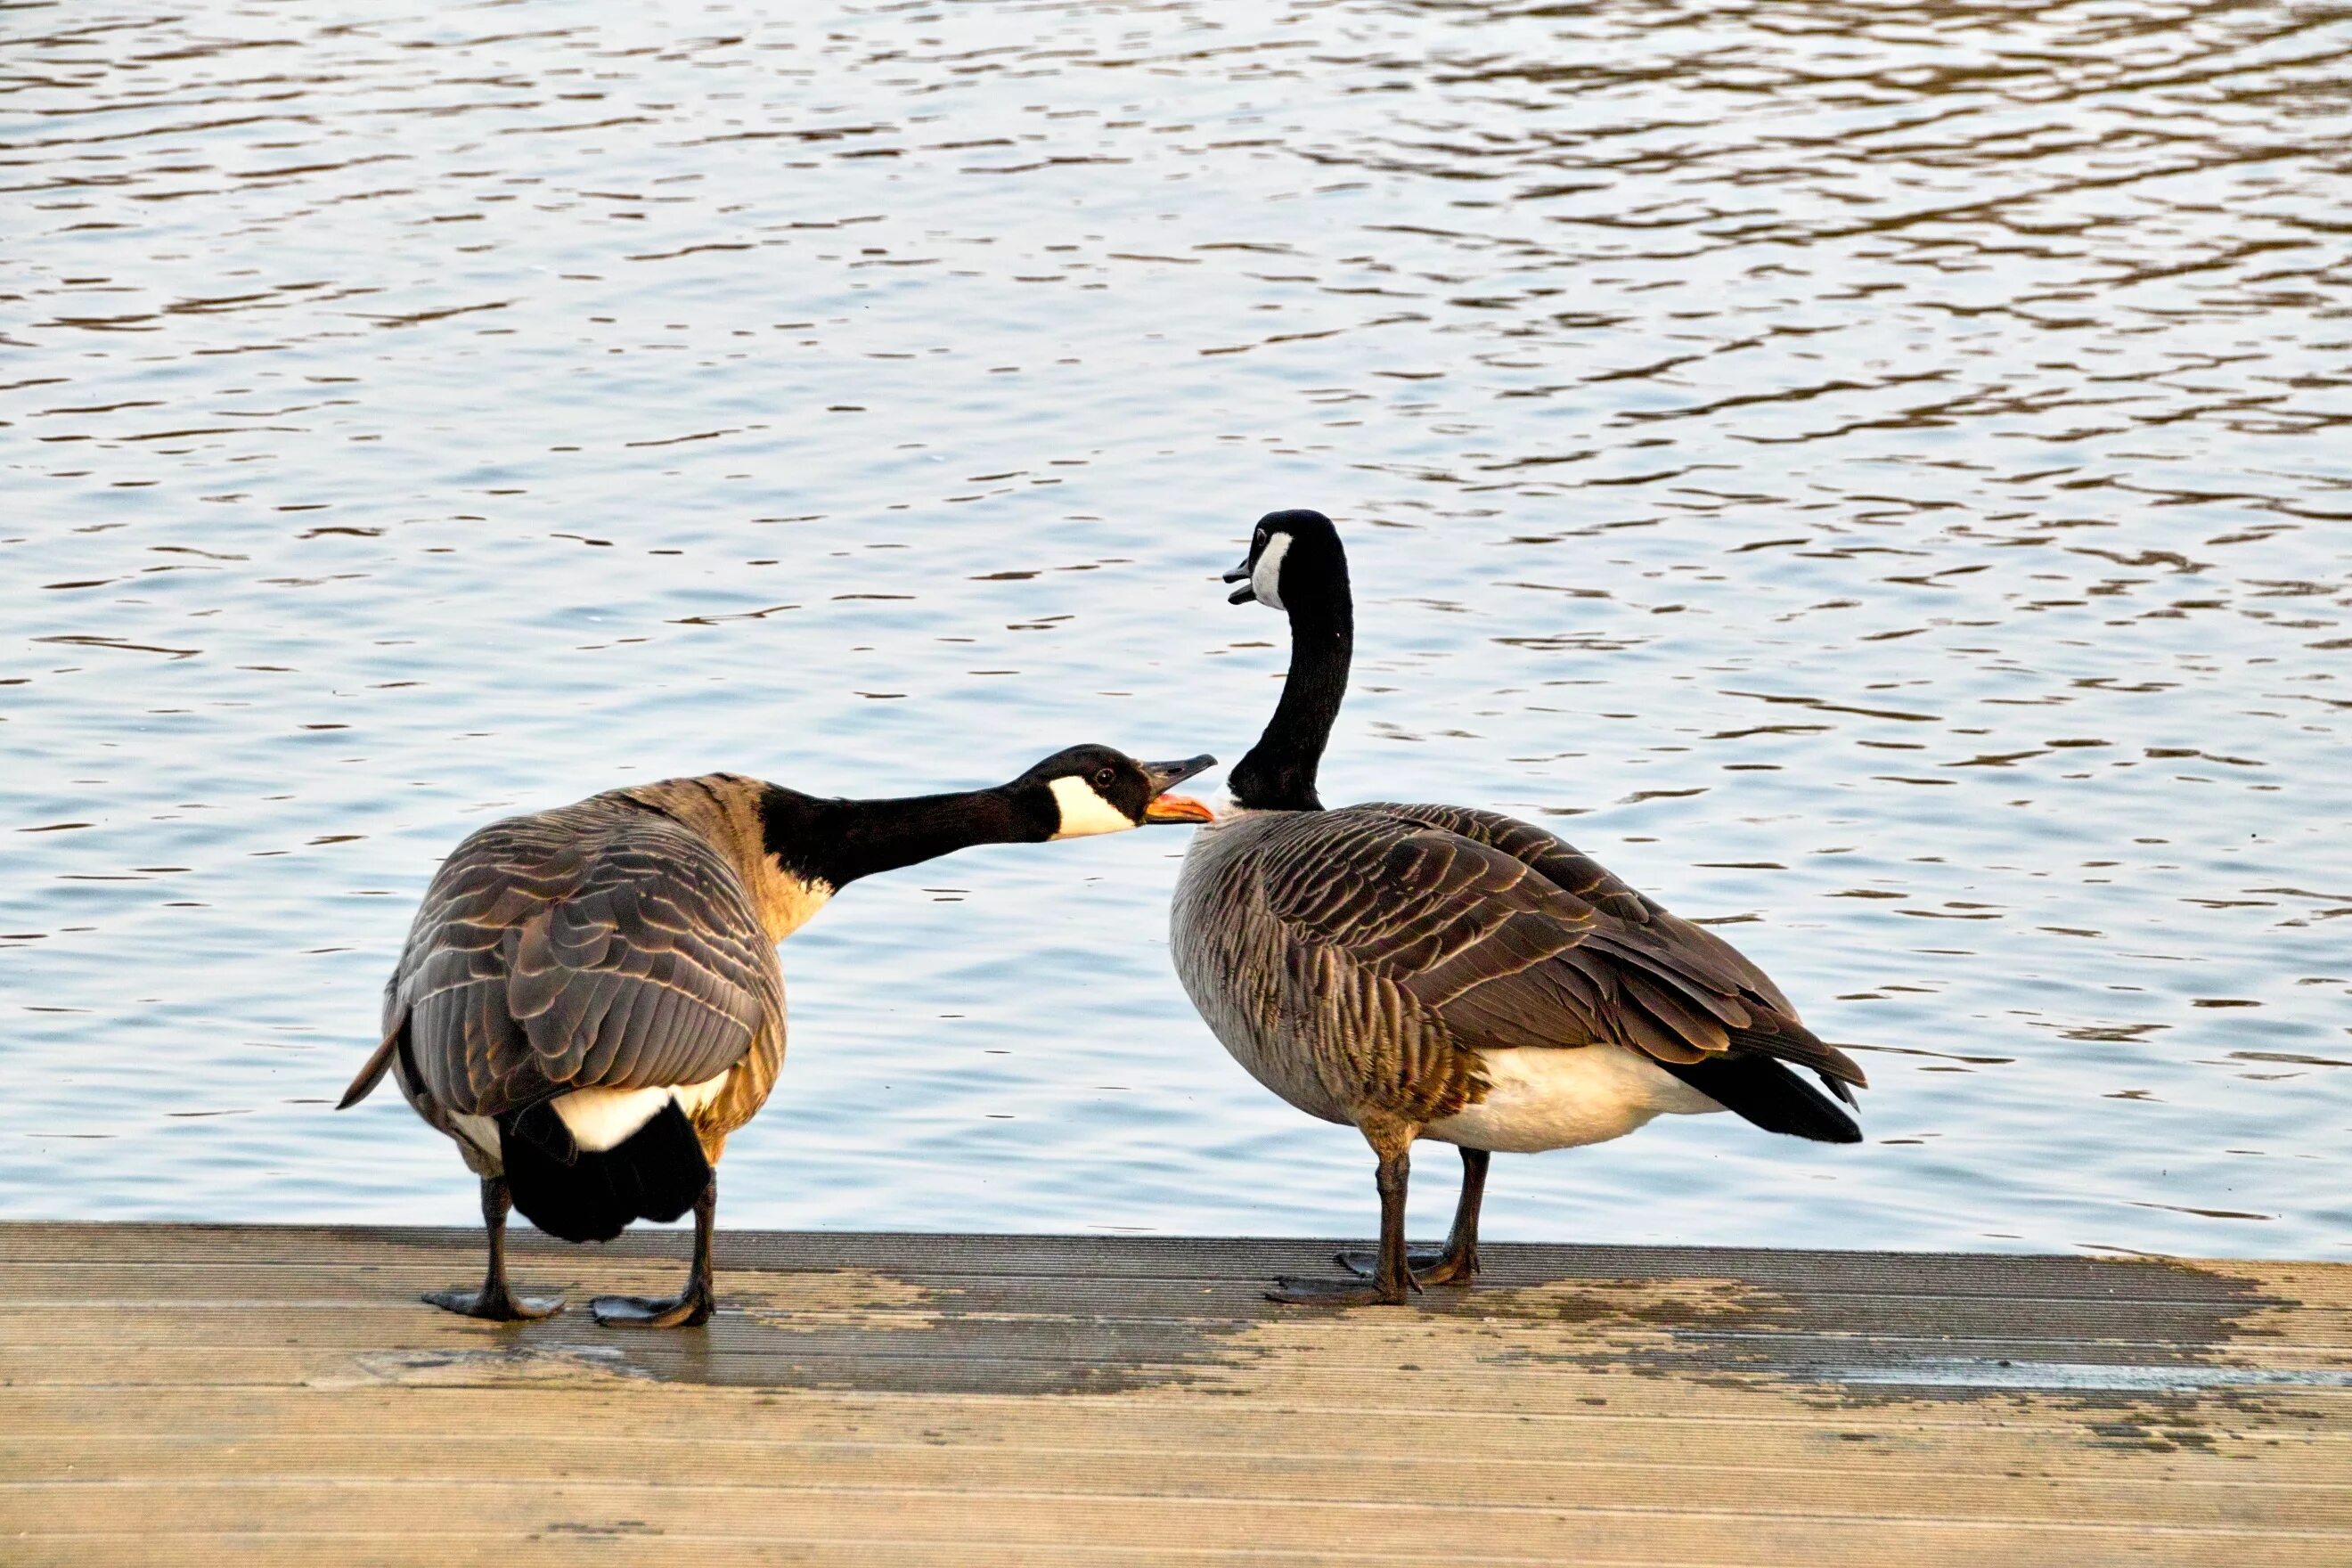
[
  {"x": 1293, "y": 557},
  {"x": 1087, "y": 790},
  {"x": 1295, "y": 566}
]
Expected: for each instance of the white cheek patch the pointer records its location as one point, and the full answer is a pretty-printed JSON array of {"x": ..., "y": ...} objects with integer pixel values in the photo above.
[
  {"x": 1084, "y": 813},
  {"x": 1265, "y": 577}
]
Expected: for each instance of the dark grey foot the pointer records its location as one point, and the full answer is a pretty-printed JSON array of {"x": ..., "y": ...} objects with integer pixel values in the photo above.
[
  {"x": 1364, "y": 1264},
  {"x": 682, "y": 1311},
  {"x": 1430, "y": 1266},
  {"x": 495, "y": 1306},
  {"x": 1332, "y": 1293}
]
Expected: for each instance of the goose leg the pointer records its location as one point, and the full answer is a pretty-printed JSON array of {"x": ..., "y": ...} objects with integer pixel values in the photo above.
[
  {"x": 1392, "y": 1278},
  {"x": 691, "y": 1306},
  {"x": 494, "y": 1302},
  {"x": 1457, "y": 1264},
  {"x": 1460, "y": 1264}
]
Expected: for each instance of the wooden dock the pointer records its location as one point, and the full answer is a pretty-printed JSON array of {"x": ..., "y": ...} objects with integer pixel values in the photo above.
[{"x": 184, "y": 1394}]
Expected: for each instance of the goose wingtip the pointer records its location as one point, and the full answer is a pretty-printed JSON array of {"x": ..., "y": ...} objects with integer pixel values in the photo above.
[{"x": 371, "y": 1070}]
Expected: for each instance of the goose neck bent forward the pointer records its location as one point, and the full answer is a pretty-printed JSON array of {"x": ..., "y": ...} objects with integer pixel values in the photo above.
[{"x": 794, "y": 851}]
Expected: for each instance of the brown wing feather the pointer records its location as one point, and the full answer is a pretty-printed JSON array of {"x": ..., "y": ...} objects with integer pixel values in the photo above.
[
  {"x": 599, "y": 944},
  {"x": 1693, "y": 950},
  {"x": 1510, "y": 938}
]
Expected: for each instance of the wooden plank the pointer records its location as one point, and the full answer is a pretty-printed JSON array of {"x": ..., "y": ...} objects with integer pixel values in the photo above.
[
  {"x": 792, "y": 1544},
  {"x": 1954, "y": 1276},
  {"x": 1472, "y": 1529},
  {"x": 1368, "y": 1476},
  {"x": 395, "y": 1285},
  {"x": 1363, "y": 1389},
  {"x": 1086, "y": 1339},
  {"x": 269, "y": 1395},
  {"x": 783, "y": 1547},
  {"x": 330, "y": 1442},
  {"x": 1952, "y": 1438}
]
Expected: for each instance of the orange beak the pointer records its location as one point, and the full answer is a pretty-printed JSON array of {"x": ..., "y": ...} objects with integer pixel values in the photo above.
[{"x": 1177, "y": 808}]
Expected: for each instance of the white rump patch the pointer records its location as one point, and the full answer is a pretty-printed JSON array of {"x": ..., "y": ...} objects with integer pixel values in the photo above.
[
  {"x": 1083, "y": 812},
  {"x": 1265, "y": 577},
  {"x": 601, "y": 1118},
  {"x": 1548, "y": 1097}
]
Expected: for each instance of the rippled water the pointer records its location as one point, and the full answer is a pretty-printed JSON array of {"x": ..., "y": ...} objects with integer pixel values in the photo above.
[{"x": 1875, "y": 473}]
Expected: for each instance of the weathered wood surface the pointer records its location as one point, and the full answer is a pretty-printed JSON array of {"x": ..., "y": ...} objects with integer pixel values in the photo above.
[{"x": 261, "y": 1395}]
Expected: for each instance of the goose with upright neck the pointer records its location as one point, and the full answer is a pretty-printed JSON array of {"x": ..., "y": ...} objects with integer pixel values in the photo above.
[
  {"x": 1448, "y": 973},
  {"x": 590, "y": 1001}
]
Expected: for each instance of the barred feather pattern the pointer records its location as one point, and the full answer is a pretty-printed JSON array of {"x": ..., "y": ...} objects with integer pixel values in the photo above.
[
  {"x": 1357, "y": 961},
  {"x": 602, "y": 945}
]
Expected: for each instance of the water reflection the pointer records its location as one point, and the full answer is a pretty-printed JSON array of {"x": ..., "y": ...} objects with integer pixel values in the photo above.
[{"x": 1872, "y": 472}]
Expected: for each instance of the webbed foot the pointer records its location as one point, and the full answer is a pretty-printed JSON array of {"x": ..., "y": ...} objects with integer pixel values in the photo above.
[
  {"x": 1334, "y": 1294},
  {"x": 1430, "y": 1265},
  {"x": 499, "y": 1306},
  {"x": 689, "y": 1308}
]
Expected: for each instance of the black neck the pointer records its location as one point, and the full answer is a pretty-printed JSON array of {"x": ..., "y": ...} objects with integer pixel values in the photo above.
[
  {"x": 1278, "y": 775},
  {"x": 837, "y": 841}
]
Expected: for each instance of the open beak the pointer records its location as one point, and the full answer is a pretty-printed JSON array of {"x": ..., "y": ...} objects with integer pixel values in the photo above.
[
  {"x": 1177, "y": 808},
  {"x": 1246, "y": 594},
  {"x": 1165, "y": 776}
]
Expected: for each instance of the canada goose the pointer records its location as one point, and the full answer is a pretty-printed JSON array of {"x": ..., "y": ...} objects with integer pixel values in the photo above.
[
  {"x": 1443, "y": 972},
  {"x": 590, "y": 1000}
]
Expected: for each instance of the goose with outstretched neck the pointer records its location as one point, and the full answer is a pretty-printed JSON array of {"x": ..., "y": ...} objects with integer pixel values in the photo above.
[
  {"x": 1447, "y": 973},
  {"x": 590, "y": 999}
]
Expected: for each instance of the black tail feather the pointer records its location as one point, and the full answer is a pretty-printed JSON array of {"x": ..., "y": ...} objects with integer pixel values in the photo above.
[
  {"x": 588, "y": 1194},
  {"x": 1768, "y": 1094}
]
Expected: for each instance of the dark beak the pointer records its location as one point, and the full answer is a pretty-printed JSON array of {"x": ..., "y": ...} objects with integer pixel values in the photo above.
[
  {"x": 1165, "y": 776},
  {"x": 1244, "y": 593}
]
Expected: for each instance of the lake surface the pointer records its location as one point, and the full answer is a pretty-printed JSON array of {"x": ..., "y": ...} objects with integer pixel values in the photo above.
[{"x": 1877, "y": 475}]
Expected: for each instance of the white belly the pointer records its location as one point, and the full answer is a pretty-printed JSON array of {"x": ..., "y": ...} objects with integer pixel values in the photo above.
[{"x": 1549, "y": 1098}]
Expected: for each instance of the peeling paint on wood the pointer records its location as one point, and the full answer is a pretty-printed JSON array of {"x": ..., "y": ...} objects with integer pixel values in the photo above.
[{"x": 279, "y": 1394}]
